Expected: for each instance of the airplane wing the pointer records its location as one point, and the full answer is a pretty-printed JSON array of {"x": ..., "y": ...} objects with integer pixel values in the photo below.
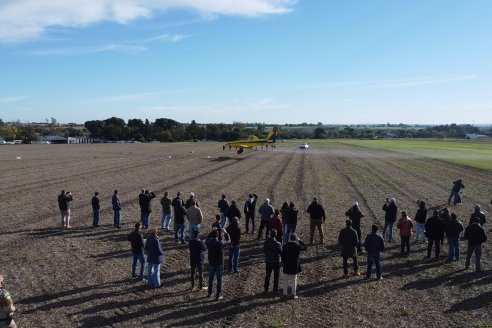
[{"x": 238, "y": 145}]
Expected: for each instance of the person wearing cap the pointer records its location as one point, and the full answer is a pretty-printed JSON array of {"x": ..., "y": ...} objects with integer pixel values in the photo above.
[
  {"x": 434, "y": 228},
  {"x": 155, "y": 256},
  {"x": 405, "y": 225},
  {"x": 317, "y": 219},
  {"x": 290, "y": 221},
  {"x": 455, "y": 192},
  {"x": 272, "y": 249},
  {"x": 195, "y": 218},
  {"x": 223, "y": 205},
  {"x": 453, "y": 230},
  {"x": 349, "y": 240},
  {"x": 390, "y": 210},
  {"x": 355, "y": 215},
  {"x": 234, "y": 231},
  {"x": 96, "y": 210},
  {"x": 291, "y": 263},
  {"x": 477, "y": 213},
  {"x": 7, "y": 307},
  {"x": 189, "y": 200},
  {"x": 137, "y": 242},
  {"x": 266, "y": 213},
  {"x": 249, "y": 211},
  {"x": 233, "y": 212},
  {"x": 166, "y": 212},
  {"x": 116, "y": 202},
  {"x": 475, "y": 234},
  {"x": 420, "y": 218},
  {"x": 374, "y": 245},
  {"x": 64, "y": 200}
]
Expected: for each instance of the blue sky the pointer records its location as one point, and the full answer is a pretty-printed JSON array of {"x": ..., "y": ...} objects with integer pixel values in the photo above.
[{"x": 273, "y": 61}]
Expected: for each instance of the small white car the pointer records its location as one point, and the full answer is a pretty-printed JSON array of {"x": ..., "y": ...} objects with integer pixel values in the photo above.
[{"x": 304, "y": 146}]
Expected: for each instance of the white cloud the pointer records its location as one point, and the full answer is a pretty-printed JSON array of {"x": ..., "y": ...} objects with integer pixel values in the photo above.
[
  {"x": 119, "y": 48},
  {"x": 11, "y": 99},
  {"x": 166, "y": 38},
  {"x": 27, "y": 19}
]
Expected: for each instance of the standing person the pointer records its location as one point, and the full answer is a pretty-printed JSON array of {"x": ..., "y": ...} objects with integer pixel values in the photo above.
[
  {"x": 276, "y": 223},
  {"x": 216, "y": 224},
  {"x": 420, "y": 218},
  {"x": 7, "y": 307},
  {"x": 115, "y": 201},
  {"x": 215, "y": 246},
  {"x": 475, "y": 235},
  {"x": 96, "y": 210},
  {"x": 191, "y": 199},
  {"x": 197, "y": 247},
  {"x": 355, "y": 214},
  {"x": 266, "y": 212},
  {"x": 233, "y": 212},
  {"x": 273, "y": 251},
  {"x": 349, "y": 240},
  {"x": 234, "y": 232},
  {"x": 291, "y": 263},
  {"x": 290, "y": 221},
  {"x": 249, "y": 211},
  {"x": 405, "y": 226},
  {"x": 434, "y": 228},
  {"x": 223, "y": 205},
  {"x": 317, "y": 220},
  {"x": 141, "y": 203},
  {"x": 155, "y": 256},
  {"x": 283, "y": 209},
  {"x": 137, "y": 242},
  {"x": 477, "y": 213},
  {"x": 195, "y": 218},
  {"x": 166, "y": 212},
  {"x": 390, "y": 210},
  {"x": 453, "y": 230},
  {"x": 374, "y": 245},
  {"x": 455, "y": 192},
  {"x": 64, "y": 200},
  {"x": 179, "y": 222},
  {"x": 147, "y": 207}
]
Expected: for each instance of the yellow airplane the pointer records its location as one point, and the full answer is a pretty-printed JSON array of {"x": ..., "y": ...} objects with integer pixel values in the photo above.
[{"x": 253, "y": 141}]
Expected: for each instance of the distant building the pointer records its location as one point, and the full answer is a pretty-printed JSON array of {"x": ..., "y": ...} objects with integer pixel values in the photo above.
[
  {"x": 54, "y": 139},
  {"x": 474, "y": 136},
  {"x": 81, "y": 140}
]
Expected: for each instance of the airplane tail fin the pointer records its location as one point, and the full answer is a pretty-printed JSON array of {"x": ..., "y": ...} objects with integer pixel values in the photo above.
[{"x": 273, "y": 135}]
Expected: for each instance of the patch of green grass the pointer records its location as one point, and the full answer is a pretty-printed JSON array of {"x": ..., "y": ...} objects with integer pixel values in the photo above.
[
  {"x": 405, "y": 311},
  {"x": 481, "y": 324},
  {"x": 276, "y": 323}
]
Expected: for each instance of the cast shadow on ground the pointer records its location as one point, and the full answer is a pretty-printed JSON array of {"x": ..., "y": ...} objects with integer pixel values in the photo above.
[
  {"x": 481, "y": 301},
  {"x": 226, "y": 158}
]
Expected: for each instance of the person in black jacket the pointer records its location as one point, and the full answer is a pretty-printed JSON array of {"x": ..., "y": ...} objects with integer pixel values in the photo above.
[
  {"x": 355, "y": 214},
  {"x": 349, "y": 240},
  {"x": 290, "y": 221},
  {"x": 477, "y": 213},
  {"x": 232, "y": 212},
  {"x": 475, "y": 235},
  {"x": 273, "y": 252},
  {"x": 64, "y": 200},
  {"x": 420, "y": 218},
  {"x": 317, "y": 220},
  {"x": 455, "y": 192},
  {"x": 292, "y": 264},
  {"x": 223, "y": 205},
  {"x": 234, "y": 232},
  {"x": 453, "y": 230},
  {"x": 215, "y": 246},
  {"x": 197, "y": 247},
  {"x": 146, "y": 207},
  {"x": 390, "y": 210},
  {"x": 249, "y": 211},
  {"x": 434, "y": 229},
  {"x": 179, "y": 222},
  {"x": 374, "y": 245},
  {"x": 96, "y": 210},
  {"x": 137, "y": 242}
]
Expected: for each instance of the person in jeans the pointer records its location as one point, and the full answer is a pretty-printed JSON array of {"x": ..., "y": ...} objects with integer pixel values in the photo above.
[
  {"x": 390, "y": 210},
  {"x": 420, "y": 218},
  {"x": 147, "y": 208},
  {"x": 96, "y": 210},
  {"x": 64, "y": 200},
  {"x": 434, "y": 228},
  {"x": 317, "y": 220},
  {"x": 234, "y": 232},
  {"x": 137, "y": 242},
  {"x": 355, "y": 215},
  {"x": 290, "y": 220},
  {"x": 374, "y": 245},
  {"x": 166, "y": 212},
  {"x": 455, "y": 192},
  {"x": 291, "y": 263},
  {"x": 249, "y": 211},
  {"x": 475, "y": 235},
  {"x": 197, "y": 247},
  {"x": 453, "y": 230},
  {"x": 266, "y": 213},
  {"x": 195, "y": 217},
  {"x": 215, "y": 246},
  {"x": 349, "y": 240},
  {"x": 155, "y": 256},
  {"x": 223, "y": 205},
  {"x": 179, "y": 222},
  {"x": 116, "y": 202},
  {"x": 273, "y": 252},
  {"x": 405, "y": 226}
]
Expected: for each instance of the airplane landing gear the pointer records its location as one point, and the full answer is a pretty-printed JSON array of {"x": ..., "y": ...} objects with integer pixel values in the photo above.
[{"x": 239, "y": 151}]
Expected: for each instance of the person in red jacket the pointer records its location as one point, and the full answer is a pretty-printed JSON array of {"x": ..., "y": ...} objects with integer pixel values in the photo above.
[
  {"x": 405, "y": 225},
  {"x": 276, "y": 223}
]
